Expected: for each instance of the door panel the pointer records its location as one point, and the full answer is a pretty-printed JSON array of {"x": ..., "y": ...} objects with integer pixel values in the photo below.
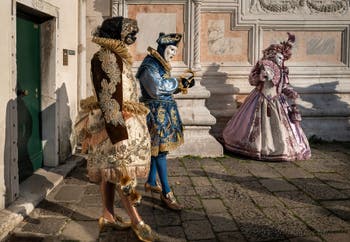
[{"x": 28, "y": 97}]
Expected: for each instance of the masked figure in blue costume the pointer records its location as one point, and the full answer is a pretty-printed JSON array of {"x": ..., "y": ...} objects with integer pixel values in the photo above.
[{"x": 164, "y": 123}]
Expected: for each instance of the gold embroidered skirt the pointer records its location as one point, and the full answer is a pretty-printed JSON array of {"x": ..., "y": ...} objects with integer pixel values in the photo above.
[{"x": 103, "y": 160}]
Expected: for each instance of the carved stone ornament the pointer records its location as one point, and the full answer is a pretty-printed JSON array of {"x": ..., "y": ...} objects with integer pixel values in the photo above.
[
  {"x": 299, "y": 6},
  {"x": 38, "y": 4}
]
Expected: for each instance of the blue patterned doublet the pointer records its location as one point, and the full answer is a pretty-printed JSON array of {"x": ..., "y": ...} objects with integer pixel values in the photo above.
[{"x": 164, "y": 122}]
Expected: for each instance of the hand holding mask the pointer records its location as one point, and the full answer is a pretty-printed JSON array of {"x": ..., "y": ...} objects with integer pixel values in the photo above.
[{"x": 187, "y": 80}]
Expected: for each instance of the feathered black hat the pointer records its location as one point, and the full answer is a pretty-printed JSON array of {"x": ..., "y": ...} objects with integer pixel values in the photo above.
[
  {"x": 287, "y": 46},
  {"x": 169, "y": 39}
]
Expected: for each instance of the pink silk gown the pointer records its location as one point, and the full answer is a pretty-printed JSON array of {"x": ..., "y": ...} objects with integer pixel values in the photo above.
[{"x": 262, "y": 128}]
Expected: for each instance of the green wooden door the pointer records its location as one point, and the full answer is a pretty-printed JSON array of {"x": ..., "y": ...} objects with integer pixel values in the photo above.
[{"x": 30, "y": 153}]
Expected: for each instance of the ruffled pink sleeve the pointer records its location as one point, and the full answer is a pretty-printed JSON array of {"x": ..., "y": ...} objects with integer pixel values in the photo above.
[{"x": 255, "y": 75}]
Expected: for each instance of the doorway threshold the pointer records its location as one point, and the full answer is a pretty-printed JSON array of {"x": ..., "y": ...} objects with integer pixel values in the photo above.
[{"x": 32, "y": 191}]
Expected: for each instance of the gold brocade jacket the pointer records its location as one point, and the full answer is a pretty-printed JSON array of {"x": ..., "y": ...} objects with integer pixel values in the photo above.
[
  {"x": 104, "y": 125},
  {"x": 107, "y": 79},
  {"x": 115, "y": 88}
]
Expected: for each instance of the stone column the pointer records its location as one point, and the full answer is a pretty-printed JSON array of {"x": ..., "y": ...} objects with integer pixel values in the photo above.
[
  {"x": 115, "y": 8},
  {"x": 196, "y": 33},
  {"x": 195, "y": 115}
]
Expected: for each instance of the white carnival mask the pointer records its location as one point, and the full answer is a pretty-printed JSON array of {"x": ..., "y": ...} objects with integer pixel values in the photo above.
[
  {"x": 169, "y": 52},
  {"x": 279, "y": 59}
]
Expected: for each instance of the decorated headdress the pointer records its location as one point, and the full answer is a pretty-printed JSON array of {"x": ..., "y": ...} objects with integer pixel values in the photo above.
[
  {"x": 287, "y": 46},
  {"x": 116, "y": 28},
  {"x": 128, "y": 26},
  {"x": 169, "y": 39},
  {"x": 284, "y": 48}
]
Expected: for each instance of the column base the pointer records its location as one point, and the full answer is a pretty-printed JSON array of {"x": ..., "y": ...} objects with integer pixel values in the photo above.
[{"x": 198, "y": 142}]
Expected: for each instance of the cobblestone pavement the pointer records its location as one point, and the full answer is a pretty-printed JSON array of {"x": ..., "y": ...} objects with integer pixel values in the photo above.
[{"x": 226, "y": 199}]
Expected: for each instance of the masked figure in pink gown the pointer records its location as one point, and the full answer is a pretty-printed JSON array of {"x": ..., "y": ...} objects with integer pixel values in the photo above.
[{"x": 266, "y": 127}]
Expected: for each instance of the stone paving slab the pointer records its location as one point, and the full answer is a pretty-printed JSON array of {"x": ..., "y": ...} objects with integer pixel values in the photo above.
[
  {"x": 222, "y": 222},
  {"x": 261, "y": 230},
  {"x": 198, "y": 229},
  {"x": 319, "y": 190},
  {"x": 193, "y": 214},
  {"x": 190, "y": 202},
  {"x": 172, "y": 233},
  {"x": 43, "y": 225},
  {"x": 314, "y": 166},
  {"x": 245, "y": 215},
  {"x": 213, "y": 206},
  {"x": 226, "y": 199},
  {"x": 277, "y": 185},
  {"x": 53, "y": 209},
  {"x": 337, "y": 237},
  {"x": 32, "y": 191},
  {"x": 321, "y": 220},
  {"x": 262, "y": 170},
  {"x": 340, "y": 208},
  {"x": 201, "y": 181},
  {"x": 294, "y": 173},
  {"x": 254, "y": 189},
  {"x": 194, "y": 172},
  {"x": 306, "y": 239},
  {"x": 230, "y": 237},
  {"x": 166, "y": 218},
  {"x": 334, "y": 180},
  {"x": 266, "y": 201},
  {"x": 287, "y": 223},
  {"x": 237, "y": 169},
  {"x": 295, "y": 199},
  {"x": 69, "y": 193},
  {"x": 206, "y": 192},
  {"x": 87, "y": 231}
]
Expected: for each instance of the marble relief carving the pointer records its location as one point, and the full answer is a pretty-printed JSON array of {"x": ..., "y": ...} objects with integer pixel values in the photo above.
[
  {"x": 320, "y": 46},
  {"x": 217, "y": 42},
  {"x": 312, "y": 47},
  {"x": 152, "y": 19},
  {"x": 299, "y": 6},
  {"x": 161, "y": 22}
]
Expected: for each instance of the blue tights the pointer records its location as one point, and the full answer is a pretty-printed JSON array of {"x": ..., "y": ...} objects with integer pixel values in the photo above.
[{"x": 159, "y": 163}]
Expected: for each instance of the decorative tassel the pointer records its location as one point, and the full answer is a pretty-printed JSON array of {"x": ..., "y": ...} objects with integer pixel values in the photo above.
[
  {"x": 126, "y": 184},
  {"x": 135, "y": 198}
]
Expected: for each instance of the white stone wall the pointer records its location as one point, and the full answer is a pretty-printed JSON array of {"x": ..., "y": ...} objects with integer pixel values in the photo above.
[
  {"x": 66, "y": 78},
  {"x": 6, "y": 93},
  {"x": 59, "y": 87},
  {"x": 96, "y": 11}
]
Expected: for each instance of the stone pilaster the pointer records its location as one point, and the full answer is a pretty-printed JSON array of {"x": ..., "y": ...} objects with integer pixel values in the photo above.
[{"x": 195, "y": 115}]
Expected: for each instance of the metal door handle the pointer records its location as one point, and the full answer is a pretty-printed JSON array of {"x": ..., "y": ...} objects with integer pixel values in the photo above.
[{"x": 22, "y": 93}]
